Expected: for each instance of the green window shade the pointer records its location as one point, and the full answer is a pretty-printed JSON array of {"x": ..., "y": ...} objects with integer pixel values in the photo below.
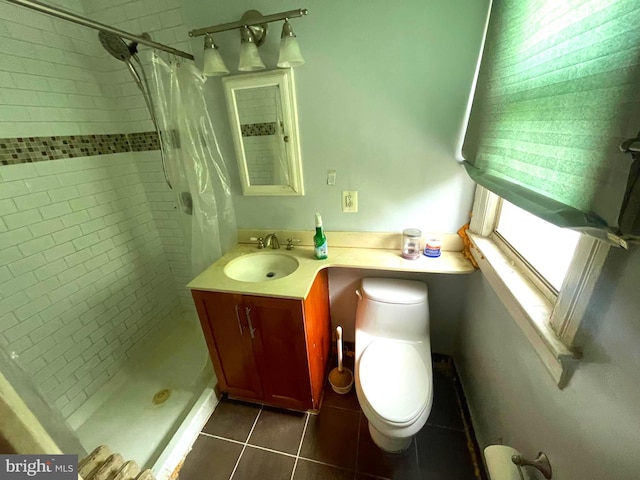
[{"x": 558, "y": 91}]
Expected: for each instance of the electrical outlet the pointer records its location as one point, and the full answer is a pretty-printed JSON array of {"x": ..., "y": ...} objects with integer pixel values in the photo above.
[{"x": 349, "y": 201}]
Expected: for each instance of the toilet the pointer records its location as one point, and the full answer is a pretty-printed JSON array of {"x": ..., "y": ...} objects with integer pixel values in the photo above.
[{"x": 393, "y": 374}]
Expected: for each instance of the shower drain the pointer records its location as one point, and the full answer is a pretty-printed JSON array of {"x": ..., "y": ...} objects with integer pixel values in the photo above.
[{"x": 161, "y": 397}]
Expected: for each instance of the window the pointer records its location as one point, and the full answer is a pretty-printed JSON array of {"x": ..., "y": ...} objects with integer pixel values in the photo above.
[
  {"x": 545, "y": 249},
  {"x": 550, "y": 107},
  {"x": 543, "y": 274}
]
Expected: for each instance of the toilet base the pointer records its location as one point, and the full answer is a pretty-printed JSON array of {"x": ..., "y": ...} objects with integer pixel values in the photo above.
[{"x": 389, "y": 444}]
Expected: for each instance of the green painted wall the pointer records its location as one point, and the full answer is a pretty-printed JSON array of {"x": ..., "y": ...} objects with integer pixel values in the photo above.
[{"x": 382, "y": 100}]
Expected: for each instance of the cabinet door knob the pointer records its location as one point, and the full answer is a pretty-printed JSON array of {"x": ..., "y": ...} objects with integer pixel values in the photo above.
[
  {"x": 252, "y": 330},
  {"x": 239, "y": 322}
]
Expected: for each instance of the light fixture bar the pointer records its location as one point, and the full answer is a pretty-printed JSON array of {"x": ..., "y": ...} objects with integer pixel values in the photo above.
[
  {"x": 72, "y": 17},
  {"x": 257, "y": 20}
]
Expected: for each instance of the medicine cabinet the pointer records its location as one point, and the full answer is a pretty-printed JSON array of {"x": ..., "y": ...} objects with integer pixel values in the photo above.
[{"x": 264, "y": 125}]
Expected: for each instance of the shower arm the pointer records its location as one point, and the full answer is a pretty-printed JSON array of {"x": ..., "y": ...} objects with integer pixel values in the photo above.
[{"x": 72, "y": 17}]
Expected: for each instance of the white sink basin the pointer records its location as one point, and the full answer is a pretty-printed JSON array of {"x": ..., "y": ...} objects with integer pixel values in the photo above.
[{"x": 261, "y": 267}]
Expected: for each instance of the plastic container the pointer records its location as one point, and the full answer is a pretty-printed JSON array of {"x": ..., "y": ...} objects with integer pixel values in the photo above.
[
  {"x": 432, "y": 247},
  {"x": 320, "y": 240},
  {"x": 411, "y": 238}
]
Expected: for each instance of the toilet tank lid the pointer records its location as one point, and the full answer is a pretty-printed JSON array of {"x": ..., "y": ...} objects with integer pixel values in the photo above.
[{"x": 393, "y": 290}]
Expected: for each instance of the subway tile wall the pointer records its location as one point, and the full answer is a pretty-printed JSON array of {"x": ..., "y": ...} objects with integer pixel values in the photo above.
[
  {"x": 173, "y": 226},
  {"x": 262, "y": 154},
  {"x": 163, "y": 20},
  {"x": 83, "y": 273},
  {"x": 50, "y": 77},
  {"x": 263, "y": 148},
  {"x": 257, "y": 106},
  {"x": 93, "y": 258},
  {"x": 56, "y": 79}
]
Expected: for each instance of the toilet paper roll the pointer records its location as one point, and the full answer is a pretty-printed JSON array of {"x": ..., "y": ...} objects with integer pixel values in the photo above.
[{"x": 499, "y": 464}]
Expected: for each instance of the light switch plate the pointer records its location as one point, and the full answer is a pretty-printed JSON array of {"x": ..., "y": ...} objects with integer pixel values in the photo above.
[
  {"x": 349, "y": 201},
  {"x": 331, "y": 177}
]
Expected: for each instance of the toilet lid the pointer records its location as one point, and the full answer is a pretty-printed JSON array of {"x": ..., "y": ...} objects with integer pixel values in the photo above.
[{"x": 394, "y": 380}]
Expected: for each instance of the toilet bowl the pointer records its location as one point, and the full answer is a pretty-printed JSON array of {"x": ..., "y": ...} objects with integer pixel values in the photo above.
[{"x": 394, "y": 378}]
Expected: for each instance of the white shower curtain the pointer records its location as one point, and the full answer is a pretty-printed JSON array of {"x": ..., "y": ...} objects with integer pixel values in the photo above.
[{"x": 194, "y": 162}]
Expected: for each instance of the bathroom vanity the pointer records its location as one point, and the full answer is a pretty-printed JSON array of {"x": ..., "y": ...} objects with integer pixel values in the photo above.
[
  {"x": 269, "y": 337},
  {"x": 266, "y": 349}
]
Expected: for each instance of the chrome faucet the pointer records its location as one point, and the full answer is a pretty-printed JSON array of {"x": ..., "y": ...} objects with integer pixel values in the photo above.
[{"x": 271, "y": 241}]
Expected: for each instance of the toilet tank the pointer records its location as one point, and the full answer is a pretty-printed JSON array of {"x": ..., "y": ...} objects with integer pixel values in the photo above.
[{"x": 393, "y": 308}]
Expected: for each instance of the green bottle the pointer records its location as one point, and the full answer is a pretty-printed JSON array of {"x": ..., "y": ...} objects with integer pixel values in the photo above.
[{"x": 320, "y": 240}]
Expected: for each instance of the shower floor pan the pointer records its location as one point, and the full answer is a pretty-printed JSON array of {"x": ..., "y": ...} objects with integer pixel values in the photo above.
[{"x": 158, "y": 407}]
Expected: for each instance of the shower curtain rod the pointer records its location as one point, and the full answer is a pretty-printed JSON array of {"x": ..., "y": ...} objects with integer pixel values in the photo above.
[{"x": 72, "y": 17}]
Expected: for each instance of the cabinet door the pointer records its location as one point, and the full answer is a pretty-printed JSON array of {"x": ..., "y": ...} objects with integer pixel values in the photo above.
[
  {"x": 230, "y": 343},
  {"x": 279, "y": 345},
  {"x": 318, "y": 329}
]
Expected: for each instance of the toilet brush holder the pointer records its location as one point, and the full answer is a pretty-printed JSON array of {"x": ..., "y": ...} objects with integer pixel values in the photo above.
[
  {"x": 342, "y": 390},
  {"x": 340, "y": 378}
]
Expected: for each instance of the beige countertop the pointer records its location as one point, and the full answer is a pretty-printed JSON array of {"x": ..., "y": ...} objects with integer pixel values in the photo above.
[{"x": 298, "y": 283}]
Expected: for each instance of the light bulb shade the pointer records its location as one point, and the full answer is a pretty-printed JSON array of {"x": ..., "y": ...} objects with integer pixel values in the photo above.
[
  {"x": 249, "y": 58},
  {"x": 290, "y": 55},
  {"x": 213, "y": 64}
]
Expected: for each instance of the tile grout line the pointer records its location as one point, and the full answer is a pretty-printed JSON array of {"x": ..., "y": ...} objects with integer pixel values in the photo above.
[
  {"x": 355, "y": 472},
  {"x": 341, "y": 408},
  {"x": 304, "y": 430},
  {"x": 245, "y": 443},
  {"x": 235, "y": 467},
  {"x": 446, "y": 427},
  {"x": 259, "y": 447},
  {"x": 415, "y": 450},
  {"x": 222, "y": 438},
  {"x": 325, "y": 463}
]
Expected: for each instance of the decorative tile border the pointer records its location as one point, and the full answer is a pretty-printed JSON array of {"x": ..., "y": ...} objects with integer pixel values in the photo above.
[
  {"x": 143, "y": 141},
  {"x": 258, "y": 129},
  {"x": 38, "y": 149}
]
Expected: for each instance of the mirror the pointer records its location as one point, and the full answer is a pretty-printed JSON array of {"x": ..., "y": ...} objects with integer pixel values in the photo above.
[{"x": 264, "y": 125}]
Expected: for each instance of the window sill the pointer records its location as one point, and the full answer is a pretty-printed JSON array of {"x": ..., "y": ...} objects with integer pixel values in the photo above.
[{"x": 530, "y": 309}]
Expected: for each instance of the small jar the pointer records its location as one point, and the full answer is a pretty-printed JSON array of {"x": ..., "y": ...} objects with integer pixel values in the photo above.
[
  {"x": 411, "y": 238},
  {"x": 432, "y": 247}
]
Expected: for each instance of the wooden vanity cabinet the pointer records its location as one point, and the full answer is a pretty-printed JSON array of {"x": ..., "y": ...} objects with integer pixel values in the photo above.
[{"x": 269, "y": 350}]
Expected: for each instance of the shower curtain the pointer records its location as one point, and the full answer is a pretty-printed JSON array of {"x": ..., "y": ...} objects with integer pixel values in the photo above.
[
  {"x": 195, "y": 165},
  {"x": 40, "y": 406}
]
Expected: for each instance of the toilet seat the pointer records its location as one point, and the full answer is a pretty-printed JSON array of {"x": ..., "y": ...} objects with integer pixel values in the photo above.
[{"x": 394, "y": 380}]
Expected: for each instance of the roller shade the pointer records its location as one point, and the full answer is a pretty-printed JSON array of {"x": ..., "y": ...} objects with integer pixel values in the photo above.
[{"x": 558, "y": 92}]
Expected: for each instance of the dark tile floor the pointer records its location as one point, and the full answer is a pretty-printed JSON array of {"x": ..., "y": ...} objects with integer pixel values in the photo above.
[{"x": 244, "y": 441}]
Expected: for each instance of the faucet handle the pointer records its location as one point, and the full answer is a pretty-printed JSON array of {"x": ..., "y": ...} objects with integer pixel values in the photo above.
[
  {"x": 290, "y": 242},
  {"x": 259, "y": 240}
]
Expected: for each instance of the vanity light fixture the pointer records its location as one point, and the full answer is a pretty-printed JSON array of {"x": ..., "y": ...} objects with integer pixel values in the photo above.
[
  {"x": 250, "y": 60},
  {"x": 290, "y": 55},
  {"x": 253, "y": 32},
  {"x": 213, "y": 64}
]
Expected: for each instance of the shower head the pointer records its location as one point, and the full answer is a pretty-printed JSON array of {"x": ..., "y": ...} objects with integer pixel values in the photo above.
[
  {"x": 116, "y": 46},
  {"x": 119, "y": 49}
]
